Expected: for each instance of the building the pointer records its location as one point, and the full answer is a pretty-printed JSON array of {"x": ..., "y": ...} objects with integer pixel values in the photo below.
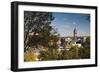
[
  {"x": 75, "y": 40},
  {"x": 75, "y": 34}
]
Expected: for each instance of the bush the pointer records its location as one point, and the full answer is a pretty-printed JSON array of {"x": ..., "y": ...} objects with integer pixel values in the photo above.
[
  {"x": 30, "y": 56},
  {"x": 84, "y": 53},
  {"x": 50, "y": 54},
  {"x": 55, "y": 54}
]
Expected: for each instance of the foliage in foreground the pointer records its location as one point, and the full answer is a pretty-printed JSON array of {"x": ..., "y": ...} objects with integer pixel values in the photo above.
[
  {"x": 84, "y": 53},
  {"x": 29, "y": 56},
  {"x": 73, "y": 53},
  {"x": 56, "y": 54},
  {"x": 52, "y": 53}
]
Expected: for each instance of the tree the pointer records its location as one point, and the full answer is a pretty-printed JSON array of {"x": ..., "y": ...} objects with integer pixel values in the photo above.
[
  {"x": 37, "y": 22},
  {"x": 84, "y": 51},
  {"x": 86, "y": 44},
  {"x": 55, "y": 54}
]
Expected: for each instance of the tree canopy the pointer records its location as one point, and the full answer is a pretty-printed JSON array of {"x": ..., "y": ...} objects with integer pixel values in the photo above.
[{"x": 37, "y": 23}]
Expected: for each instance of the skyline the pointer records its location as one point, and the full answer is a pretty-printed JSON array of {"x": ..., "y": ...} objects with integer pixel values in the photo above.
[{"x": 65, "y": 23}]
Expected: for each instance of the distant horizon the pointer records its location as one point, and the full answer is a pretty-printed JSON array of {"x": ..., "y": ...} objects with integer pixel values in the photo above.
[
  {"x": 72, "y": 36},
  {"x": 64, "y": 23}
]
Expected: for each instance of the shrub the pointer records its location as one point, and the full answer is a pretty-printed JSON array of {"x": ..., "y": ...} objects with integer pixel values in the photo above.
[{"x": 30, "y": 56}]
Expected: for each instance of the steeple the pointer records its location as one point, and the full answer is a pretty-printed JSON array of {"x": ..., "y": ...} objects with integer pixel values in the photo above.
[{"x": 75, "y": 34}]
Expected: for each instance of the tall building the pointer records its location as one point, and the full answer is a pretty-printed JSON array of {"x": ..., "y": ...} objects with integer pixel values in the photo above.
[{"x": 75, "y": 34}]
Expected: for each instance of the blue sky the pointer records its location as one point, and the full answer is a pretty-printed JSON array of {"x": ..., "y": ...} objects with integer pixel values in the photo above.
[{"x": 66, "y": 22}]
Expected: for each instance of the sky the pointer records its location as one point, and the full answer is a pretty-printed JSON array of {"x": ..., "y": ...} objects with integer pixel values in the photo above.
[{"x": 65, "y": 23}]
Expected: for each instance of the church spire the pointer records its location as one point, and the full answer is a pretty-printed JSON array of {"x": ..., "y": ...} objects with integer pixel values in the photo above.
[{"x": 75, "y": 33}]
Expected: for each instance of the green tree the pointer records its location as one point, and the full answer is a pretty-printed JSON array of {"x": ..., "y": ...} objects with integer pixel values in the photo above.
[
  {"x": 86, "y": 44},
  {"x": 84, "y": 51},
  {"x": 55, "y": 54},
  {"x": 74, "y": 50},
  {"x": 37, "y": 22}
]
